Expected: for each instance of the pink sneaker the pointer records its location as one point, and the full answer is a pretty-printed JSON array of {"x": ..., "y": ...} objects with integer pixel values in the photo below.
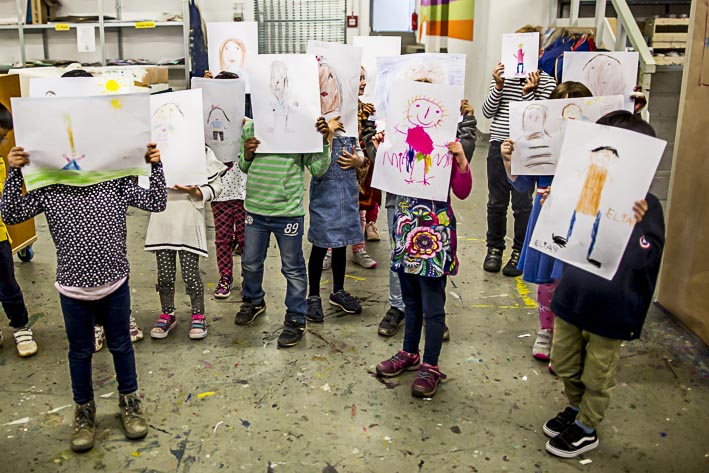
[
  {"x": 397, "y": 364},
  {"x": 223, "y": 289},
  {"x": 426, "y": 381}
]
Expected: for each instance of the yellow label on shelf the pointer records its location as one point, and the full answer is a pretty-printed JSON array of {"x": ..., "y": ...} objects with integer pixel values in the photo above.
[
  {"x": 62, "y": 27},
  {"x": 144, "y": 24}
]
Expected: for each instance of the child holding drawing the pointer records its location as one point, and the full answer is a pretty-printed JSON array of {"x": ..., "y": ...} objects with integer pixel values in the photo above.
[
  {"x": 423, "y": 277},
  {"x": 537, "y": 86},
  {"x": 537, "y": 267},
  {"x": 10, "y": 293},
  {"x": 229, "y": 215},
  {"x": 88, "y": 226},
  {"x": 594, "y": 315},
  {"x": 181, "y": 231}
]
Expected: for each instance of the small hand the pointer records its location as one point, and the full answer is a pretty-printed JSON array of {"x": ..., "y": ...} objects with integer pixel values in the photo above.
[
  {"x": 17, "y": 157},
  {"x": 497, "y": 75},
  {"x": 544, "y": 195},
  {"x": 193, "y": 191},
  {"x": 466, "y": 109},
  {"x": 639, "y": 209},
  {"x": 378, "y": 139},
  {"x": 208, "y": 74},
  {"x": 250, "y": 147},
  {"x": 334, "y": 124},
  {"x": 508, "y": 146},
  {"x": 456, "y": 149},
  {"x": 532, "y": 82},
  {"x": 323, "y": 129},
  {"x": 350, "y": 161},
  {"x": 368, "y": 109},
  {"x": 640, "y": 98},
  {"x": 152, "y": 156}
]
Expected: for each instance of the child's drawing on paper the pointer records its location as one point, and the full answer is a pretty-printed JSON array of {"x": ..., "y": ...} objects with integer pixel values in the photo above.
[
  {"x": 520, "y": 59},
  {"x": 330, "y": 88},
  {"x": 281, "y": 104},
  {"x": 520, "y": 54},
  {"x": 232, "y": 46},
  {"x": 164, "y": 122},
  {"x": 217, "y": 120},
  {"x": 589, "y": 202},
  {"x": 422, "y": 114},
  {"x": 604, "y": 75},
  {"x": 414, "y": 160},
  {"x": 232, "y": 55},
  {"x": 72, "y": 160},
  {"x": 536, "y": 140}
]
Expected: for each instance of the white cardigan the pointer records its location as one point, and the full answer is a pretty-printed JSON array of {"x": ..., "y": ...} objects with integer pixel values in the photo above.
[{"x": 181, "y": 226}]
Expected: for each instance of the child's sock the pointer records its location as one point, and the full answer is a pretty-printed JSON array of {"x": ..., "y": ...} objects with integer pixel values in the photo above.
[{"x": 588, "y": 430}]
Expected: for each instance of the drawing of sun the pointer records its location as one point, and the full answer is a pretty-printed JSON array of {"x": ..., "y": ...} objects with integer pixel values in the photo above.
[
  {"x": 425, "y": 112},
  {"x": 113, "y": 85}
]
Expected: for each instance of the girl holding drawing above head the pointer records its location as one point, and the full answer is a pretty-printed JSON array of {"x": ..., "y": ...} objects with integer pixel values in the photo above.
[
  {"x": 88, "y": 226},
  {"x": 539, "y": 268},
  {"x": 229, "y": 216},
  {"x": 180, "y": 231},
  {"x": 424, "y": 255}
]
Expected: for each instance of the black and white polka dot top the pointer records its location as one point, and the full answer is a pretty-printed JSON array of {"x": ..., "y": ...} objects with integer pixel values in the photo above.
[{"x": 88, "y": 224}]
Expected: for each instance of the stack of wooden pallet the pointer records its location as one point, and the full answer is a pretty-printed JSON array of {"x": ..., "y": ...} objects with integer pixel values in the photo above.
[{"x": 668, "y": 39}]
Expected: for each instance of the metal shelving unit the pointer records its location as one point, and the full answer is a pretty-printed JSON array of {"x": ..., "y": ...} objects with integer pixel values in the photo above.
[{"x": 103, "y": 26}]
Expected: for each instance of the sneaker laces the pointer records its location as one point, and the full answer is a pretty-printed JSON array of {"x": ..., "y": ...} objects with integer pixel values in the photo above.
[
  {"x": 131, "y": 404},
  {"x": 347, "y": 297},
  {"x": 83, "y": 418}
]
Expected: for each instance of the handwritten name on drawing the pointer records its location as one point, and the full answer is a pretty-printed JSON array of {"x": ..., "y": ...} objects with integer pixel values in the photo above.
[
  {"x": 626, "y": 218},
  {"x": 398, "y": 160},
  {"x": 546, "y": 245}
]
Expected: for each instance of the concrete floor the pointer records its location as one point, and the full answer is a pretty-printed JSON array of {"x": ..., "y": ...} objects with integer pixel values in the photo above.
[{"x": 234, "y": 402}]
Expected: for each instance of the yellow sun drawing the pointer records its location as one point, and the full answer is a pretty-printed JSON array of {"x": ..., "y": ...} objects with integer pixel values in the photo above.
[{"x": 113, "y": 85}]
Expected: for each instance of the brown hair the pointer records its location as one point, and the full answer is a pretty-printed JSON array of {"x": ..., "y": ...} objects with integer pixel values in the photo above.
[
  {"x": 533, "y": 29},
  {"x": 570, "y": 90}
]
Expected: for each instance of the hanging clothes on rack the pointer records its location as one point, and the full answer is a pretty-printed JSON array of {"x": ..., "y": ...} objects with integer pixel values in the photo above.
[
  {"x": 561, "y": 41},
  {"x": 198, "y": 42}
]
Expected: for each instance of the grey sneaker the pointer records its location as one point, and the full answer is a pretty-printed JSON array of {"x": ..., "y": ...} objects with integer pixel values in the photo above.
[
  {"x": 82, "y": 435},
  {"x": 363, "y": 259},
  {"x": 542, "y": 345},
  {"x": 134, "y": 424}
]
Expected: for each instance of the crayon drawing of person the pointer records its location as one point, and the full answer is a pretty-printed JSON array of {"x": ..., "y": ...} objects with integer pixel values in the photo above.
[
  {"x": 536, "y": 140},
  {"x": 589, "y": 202},
  {"x": 281, "y": 103},
  {"x": 604, "y": 75},
  {"x": 330, "y": 89},
  {"x": 573, "y": 111},
  {"x": 163, "y": 123},
  {"x": 217, "y": 120},
  {"x": 232, "y": 55},
  {"x": 520, "y": 60},
  {"x": 72, "y": 162},
  {"x": 422, "y": 114}
]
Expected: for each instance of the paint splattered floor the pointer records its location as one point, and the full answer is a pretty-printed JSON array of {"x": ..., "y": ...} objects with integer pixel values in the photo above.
[{"x": 233, "y": 402}]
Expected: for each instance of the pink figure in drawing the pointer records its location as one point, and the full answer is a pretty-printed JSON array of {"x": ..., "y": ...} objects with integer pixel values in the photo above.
[
  {"x": 520, "y": 59},
  {"x": 421, "y": 115}
]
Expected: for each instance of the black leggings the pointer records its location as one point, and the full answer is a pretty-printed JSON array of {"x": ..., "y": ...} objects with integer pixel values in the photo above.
[{"x": 339, "y": 264}]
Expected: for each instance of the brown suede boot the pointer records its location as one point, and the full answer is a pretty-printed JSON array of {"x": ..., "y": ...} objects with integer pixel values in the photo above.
[
  {"x": 134, "y": 424},
  {"x": 82, "y": 436}
]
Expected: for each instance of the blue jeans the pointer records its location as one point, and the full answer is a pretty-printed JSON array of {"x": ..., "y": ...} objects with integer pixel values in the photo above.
[
  {"x": 424, "y": 298},
  {"x": 113, "y": 312},
  {"x": 10, "y": 294},
  {"x": 395, "y": 299},
  {"x": 289, "y": 237}
]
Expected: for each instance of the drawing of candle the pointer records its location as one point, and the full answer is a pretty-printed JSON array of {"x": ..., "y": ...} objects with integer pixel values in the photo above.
[{"x": 72, "y": 162}]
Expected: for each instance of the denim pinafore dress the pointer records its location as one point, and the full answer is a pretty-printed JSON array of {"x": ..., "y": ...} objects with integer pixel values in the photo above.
[{"x": 334, "y": 201}]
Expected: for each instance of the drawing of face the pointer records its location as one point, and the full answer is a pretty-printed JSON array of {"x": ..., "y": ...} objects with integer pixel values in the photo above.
[
  {"x": 432, "y": 72},
  {"x": 604, "y": 75},
  {"x": 603, "y": 157},
  {"x": 330, "y": 95},
  {"x": 362, "y": 80},
  {"x": 279, "y": 80},
  {"x": 572, "y": 112},
  {"x": 424, "y": 113},
  {"x": 232, "y": 55},
  {"x": 534, "y": 119}
]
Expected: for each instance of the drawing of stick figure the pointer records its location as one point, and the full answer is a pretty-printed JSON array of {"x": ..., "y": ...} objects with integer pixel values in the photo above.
[
  {"x": 589, "y": 202},
  {"x": 422, "y": 114},
  {"x": 72, "y": 162},
  {"x": 216, "y": 123},
  {"x": 520, "y": 59},
  {"x": 163, "y": 122}
]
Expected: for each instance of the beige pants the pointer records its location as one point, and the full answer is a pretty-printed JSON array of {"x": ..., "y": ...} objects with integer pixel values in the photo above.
[{"x": 587, "y": 364}]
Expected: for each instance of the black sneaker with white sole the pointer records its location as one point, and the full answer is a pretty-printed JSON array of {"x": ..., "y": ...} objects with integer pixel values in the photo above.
[
  {"x": 248, "y": 313},
  {"x": 391, "y": 322},
  {"x": 558, "y": 424},
  {"x": 572, "y": 442},
  {"x": 346, "y": 301},
  {"x": 314, "y": 312},
  {"x": 292, "y": 334}
]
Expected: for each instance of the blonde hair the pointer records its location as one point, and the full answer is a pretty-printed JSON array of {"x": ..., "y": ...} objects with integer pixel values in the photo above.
[{"x": 528, "y": 28}]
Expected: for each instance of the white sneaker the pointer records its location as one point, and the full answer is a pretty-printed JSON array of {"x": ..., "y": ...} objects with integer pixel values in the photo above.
[
  {"x": 136, "y": 334},
  {"x": 363, "y": 259},
  {"x": 24, "y": 341},
  {"x": 542, "y": 345},
  {"x": 99, "y": 337}
]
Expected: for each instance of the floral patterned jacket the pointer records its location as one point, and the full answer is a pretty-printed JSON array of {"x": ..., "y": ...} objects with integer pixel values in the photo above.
[{"x": 425, "y": 232}]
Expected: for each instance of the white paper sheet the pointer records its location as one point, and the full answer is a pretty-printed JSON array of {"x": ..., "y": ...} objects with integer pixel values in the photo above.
[
  {"x": 86, "y": 39},
  {"x": 414, "y": 159},
  {"x": 285, "y": 101},
  {"x": 520, "y": 54},
  {"x": 82, "y": 140},
  {"x": 374, "y": 47},
  {"x": 109, "y": 84},
  {"x": 223, "y": 114},
  {"x": 537, "y": 129},
  {"x": 604, "y": 73},
  {"x": 338, "y": 72},
  {"x": 178, "y": 129},
  {"x": 231, "y": 47},
  {"x": 588, "y": 217}
]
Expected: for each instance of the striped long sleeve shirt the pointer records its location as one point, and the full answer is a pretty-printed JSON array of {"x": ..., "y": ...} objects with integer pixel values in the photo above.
[
  {"x": 276, "y": 184},
  {"x": 497, "y": 102}
]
